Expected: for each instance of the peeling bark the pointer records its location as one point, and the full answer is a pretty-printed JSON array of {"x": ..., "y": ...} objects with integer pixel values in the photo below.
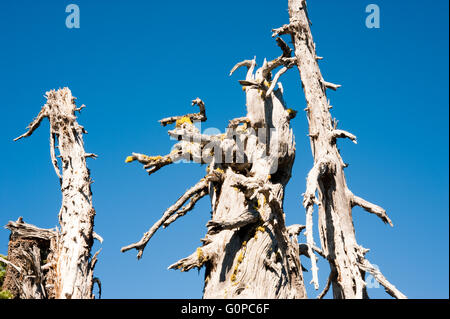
[
  {"x": 326, "y": 186},
  {"x": 69, "y": 264}
]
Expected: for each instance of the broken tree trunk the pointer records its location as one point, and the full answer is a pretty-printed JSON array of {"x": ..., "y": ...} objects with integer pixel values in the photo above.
[
  {"x": 27, "y": 274},
  {"x": 334, "y": 200},
  {"x": 248, "y": 251},
  {"x": 69, "y": 262}
]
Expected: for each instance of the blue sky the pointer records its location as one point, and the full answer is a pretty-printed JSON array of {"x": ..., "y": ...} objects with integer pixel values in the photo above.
[{"x": 135, "y": 62}]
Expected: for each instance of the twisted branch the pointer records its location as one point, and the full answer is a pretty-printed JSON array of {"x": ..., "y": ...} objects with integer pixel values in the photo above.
[{"x": 198, "y": 188}]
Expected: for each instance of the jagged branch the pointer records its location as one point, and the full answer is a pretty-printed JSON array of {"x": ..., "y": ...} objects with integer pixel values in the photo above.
[
  {"x": 190, "y": 136},
  {"x": 277, "y": 77},
  {"x": 235, "y": 122},
  {"x": 342, "y": 134},
  {"x": 187, "y": 208},
  {"x": 154, "y": 163},
  {"x": 285, "y": 29},
  {"x": 365, "y": 265},
  {"x": 35, "y": 124},
  {"x": 198, "y": 188},
  {"x": 309, "y": 199},
  {"x": 246, "y": 218},
  {"x": 24, "y": 230},
  {"x": 196, "y": 259},
  {"x": 371, "y": 208},
  {"x": 287, "y": 51},
  {"x": 295, "y": 230},
  {"x": 327, "y": 285},
  {"x": 19, "y": 270},
  {"x": 304, "y": 250},
  {"x": 268, "y": 67},
  {"x": 330, "y": 85},
  {"x": 200, "y": 116},
  {"x": 250, "y": 64}
]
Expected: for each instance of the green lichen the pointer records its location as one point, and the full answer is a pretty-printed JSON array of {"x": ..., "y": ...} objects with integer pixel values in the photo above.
[
  {"x": 2, "y": 270},
  {"x": 4, "y": 294}
]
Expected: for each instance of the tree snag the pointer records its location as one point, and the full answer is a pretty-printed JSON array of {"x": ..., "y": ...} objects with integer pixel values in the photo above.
[
  {"x": 334, "y": 200},
  {"x": 248, "y": 251},
  {"x": 66, "y": 271}
]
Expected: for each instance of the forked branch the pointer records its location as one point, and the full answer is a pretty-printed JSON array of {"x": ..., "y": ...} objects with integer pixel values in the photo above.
[{"x": 197, "y": 189}]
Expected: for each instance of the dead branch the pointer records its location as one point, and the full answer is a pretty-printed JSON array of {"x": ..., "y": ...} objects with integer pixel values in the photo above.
[
  {"x": 342, "y": 134},
  {"x": 247, "y": 217},
  {"x": 183, "y": 211},
  {"x": 327, "y": 285},
  {"x": 371, "y": 208},
  {"x": 200, "y": 116},
  {"x": 198, "y": 188},
  {"x": 35, "y": 124},
  {"x": 24, "y": 230},
  {"x": 365, "y": 265}
]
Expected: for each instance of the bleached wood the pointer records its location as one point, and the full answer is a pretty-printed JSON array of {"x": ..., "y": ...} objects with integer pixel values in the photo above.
[
  {"x": 327, "y": 178},
  {"x": 73, "y": 269},
  {"x": 248, "y": 252}
]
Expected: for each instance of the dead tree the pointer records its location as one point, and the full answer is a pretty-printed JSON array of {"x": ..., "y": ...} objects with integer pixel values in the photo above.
[
  {"x": 326, "y": 186},
  {"x": 58, "y": 263},
  {"x": 29, "y": 249},
  {"x": 248, "y": 252}
]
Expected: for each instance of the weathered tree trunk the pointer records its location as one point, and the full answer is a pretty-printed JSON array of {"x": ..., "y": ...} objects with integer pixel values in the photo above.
[
  {"x": 69, "y": 263},
  {"x": 248, "y": 251},
  {"x": 29, "y": 248},
  {"x": 334, "y": 200}
]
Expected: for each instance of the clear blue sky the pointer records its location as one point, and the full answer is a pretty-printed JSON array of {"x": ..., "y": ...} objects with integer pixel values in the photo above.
[{"x": 135, "y": 62}]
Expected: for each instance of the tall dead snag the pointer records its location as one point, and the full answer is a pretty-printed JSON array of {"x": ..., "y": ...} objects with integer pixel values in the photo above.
[
  {"x": 69, "y": 266},
  {"x": 248, "y": 252},
  {"x": 334, "y": 200}
]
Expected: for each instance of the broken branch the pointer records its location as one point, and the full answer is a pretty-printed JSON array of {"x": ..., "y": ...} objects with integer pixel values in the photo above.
[{"x": 371, "y": 208}]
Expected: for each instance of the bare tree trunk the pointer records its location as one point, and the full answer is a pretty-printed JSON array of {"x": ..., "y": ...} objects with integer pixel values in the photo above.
[
  {"x": 69, "y": 263},
  {"x": 29, "y": 248},
  {"x": 248, "y": 251},
  {"x": 334, "y": 200}
]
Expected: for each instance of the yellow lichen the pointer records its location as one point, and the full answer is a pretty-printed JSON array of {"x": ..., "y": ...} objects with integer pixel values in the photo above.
[
  {"x": 238, "y": 262},
  {"x": 129, "y": 159},
  {"x": 267, "y": 83},
  {"x": 244, "y": 88},
  {"x": 220, "y": 170},
  {"x": 269, "y": 177},
  {"x": 154, "y": 158},
  {"x": 292, "y": 113},
  {"x": 181, "y": 121},
  {"x": 199, "y": 255},
  {"x": 261, "y": 229}
]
